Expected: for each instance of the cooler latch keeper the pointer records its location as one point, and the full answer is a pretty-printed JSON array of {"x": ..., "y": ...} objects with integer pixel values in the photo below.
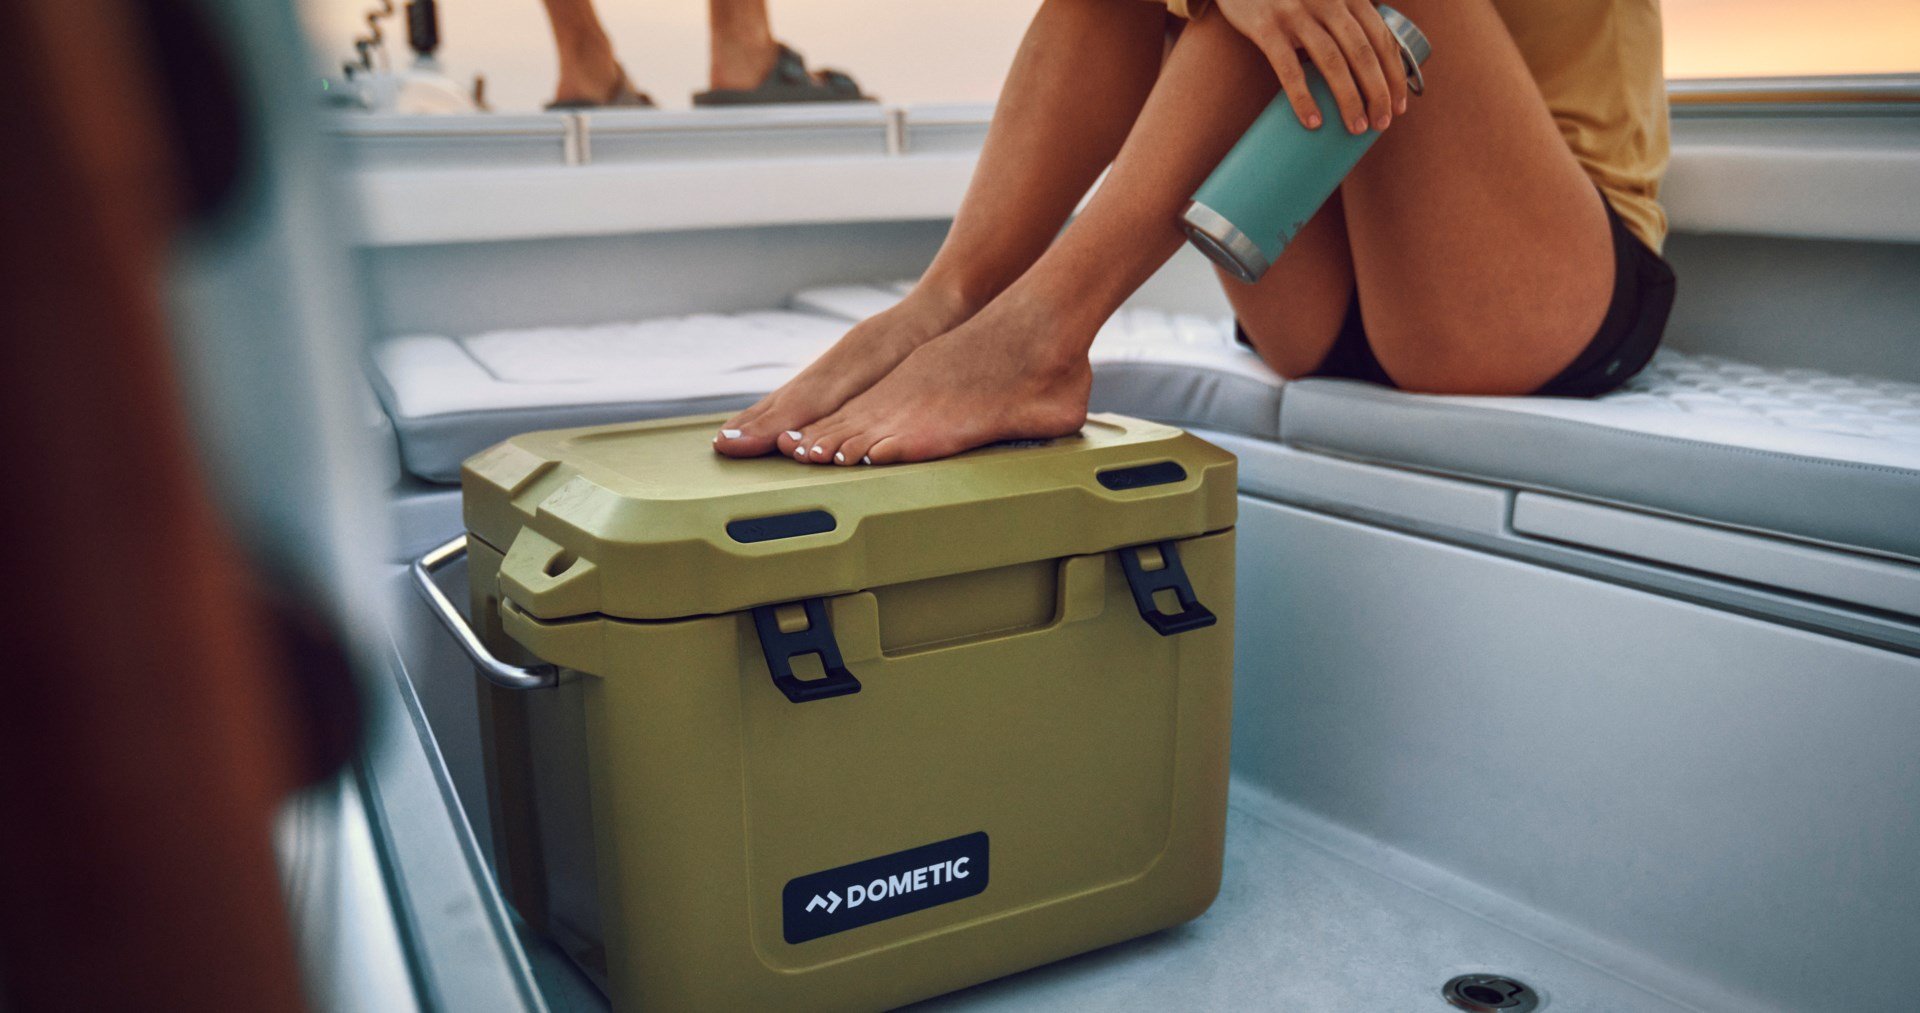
[
  {"x": 780, "y": 648},
  {"x": 1170, "y": 577}
]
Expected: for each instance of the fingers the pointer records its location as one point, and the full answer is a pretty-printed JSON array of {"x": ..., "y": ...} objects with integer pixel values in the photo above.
[
  {"x": 1277, "y": 45},
  {"x": 1364, "y": 59},
  {"x": 1354, "y": 51},
  {"x": 1387, "y": 48},
  {"x": 1325, "y": 51}
]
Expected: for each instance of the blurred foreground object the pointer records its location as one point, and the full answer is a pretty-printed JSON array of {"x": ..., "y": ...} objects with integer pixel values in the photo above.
[{"x": 159, "y": 704}]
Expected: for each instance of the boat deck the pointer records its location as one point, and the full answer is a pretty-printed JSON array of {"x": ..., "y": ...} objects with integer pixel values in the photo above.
[{"x": 1298, "y": 925}]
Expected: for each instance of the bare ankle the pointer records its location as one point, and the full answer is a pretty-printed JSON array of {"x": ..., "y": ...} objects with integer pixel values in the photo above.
[
  {"x": 587, "y": 75},
  {"x": 1054, "y": 334},
  {"x": 740, "y": 63},
  {"x": 947, "y": 305}
]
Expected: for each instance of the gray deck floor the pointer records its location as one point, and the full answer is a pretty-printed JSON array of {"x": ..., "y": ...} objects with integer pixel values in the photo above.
[{"x": 1296, "y": 927}]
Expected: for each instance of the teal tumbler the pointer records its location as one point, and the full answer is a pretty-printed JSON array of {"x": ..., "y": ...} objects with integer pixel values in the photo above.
[{"x": 1279, "y": 172}]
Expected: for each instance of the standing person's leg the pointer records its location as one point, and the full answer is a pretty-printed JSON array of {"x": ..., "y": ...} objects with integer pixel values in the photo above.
[
  {"x": 1482, "y": 252},
  {"x": 589, "y": 73},
  {"x": 1077, "y": 83},
  {"x": 740, "y": 43}
]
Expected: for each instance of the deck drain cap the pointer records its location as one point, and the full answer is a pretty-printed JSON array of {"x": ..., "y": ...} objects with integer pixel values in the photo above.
[{"x": 1490, "y": 993}]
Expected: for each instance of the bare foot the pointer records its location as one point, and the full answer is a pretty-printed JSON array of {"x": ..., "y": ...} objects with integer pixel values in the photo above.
[
  {"x": 856, "y": 362},
  {"x": 1009, "y": 373}
]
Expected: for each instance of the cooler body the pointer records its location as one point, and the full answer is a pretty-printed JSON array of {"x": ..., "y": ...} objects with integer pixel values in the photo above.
[{"x": 1030, "y": 766}]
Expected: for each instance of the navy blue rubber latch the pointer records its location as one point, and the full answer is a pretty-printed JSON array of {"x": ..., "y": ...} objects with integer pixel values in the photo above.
[
  {"x": 1170, "y": 577},
  {"x": 780, "y": 648}
]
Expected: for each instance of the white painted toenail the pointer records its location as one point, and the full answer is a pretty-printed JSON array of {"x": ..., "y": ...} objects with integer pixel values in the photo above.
[
  {"x": 795, "y": 435},
  {"x": 729, "y": 434},
  {"x": 864, "y": 459},
  {"x": 818, "y": 449},
  {"x": 800, "y": 455},
  {"x": 839, "y": 458}
]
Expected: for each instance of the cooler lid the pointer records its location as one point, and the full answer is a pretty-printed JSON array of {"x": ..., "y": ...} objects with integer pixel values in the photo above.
[{"x": 643, "y": 520}]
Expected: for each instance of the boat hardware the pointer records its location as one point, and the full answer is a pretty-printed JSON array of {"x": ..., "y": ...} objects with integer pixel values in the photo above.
[{"x": 1490, "y": 993}]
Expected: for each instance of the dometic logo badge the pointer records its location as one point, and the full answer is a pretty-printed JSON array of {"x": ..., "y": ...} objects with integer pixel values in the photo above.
[
  {"x": 895, "y": 885},
  {"x": 823, "y": 903}
]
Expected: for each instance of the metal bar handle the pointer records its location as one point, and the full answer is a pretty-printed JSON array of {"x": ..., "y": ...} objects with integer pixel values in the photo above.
[{"x": 500, "y": 673}]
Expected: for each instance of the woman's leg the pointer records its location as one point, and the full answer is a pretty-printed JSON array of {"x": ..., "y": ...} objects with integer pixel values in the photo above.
[
  {"x": 1481, "y": 250},
  {"x": 1294, "y": 312},
  {"x": 1077, "y": 82}
]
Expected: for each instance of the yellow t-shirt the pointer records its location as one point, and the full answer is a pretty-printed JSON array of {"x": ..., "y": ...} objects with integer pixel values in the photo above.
[{"x": 1598, "y": 64}]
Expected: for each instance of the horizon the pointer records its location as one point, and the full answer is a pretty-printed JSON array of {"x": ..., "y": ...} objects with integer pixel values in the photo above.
[{"x": 662, "y": 43}]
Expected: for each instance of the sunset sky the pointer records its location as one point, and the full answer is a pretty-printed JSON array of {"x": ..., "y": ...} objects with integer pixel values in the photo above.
[{"x": 931, "y": 51}]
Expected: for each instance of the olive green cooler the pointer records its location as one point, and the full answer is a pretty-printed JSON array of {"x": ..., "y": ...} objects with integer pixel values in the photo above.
[{"x": 843, "y": 738}]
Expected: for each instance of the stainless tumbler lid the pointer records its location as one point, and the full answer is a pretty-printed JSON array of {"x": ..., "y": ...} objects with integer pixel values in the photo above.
[
  {"x": 1414, "y": 47},
  {"x": 1223, "y": 242}
]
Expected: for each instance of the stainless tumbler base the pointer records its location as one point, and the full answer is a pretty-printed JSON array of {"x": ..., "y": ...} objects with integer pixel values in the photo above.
[{"x": 1225, "y": 245}]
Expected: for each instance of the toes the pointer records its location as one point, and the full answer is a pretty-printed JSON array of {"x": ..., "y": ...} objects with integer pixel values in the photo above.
[
  {"x": 742, "y": 442},
  {"x": 854, "y": 448},
  {"x": 817, "y": 444},
  {"x": 789, "y": 443},
  {"x": 905, "y": 445},
  {"x": 748, "y": 434},
  {"x": 751, "y": 439},
  {"x": 832, "y": 446},
  {"x": 886, "y": 450}
]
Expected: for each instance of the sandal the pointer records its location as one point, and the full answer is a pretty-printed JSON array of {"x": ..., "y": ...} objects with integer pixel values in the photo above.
[
  {"x": 788, "y": 81},
  {"x": 623, "y": 94}
]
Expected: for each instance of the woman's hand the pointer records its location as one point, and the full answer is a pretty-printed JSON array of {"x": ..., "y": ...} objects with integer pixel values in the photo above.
[{"x": 1345, "y": 39}]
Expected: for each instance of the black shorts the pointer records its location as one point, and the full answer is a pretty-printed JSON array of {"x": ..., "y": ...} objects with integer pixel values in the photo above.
[{"x": 1643, "y": 288}]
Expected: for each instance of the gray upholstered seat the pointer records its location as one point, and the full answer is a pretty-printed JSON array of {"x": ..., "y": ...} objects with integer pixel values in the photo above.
[
  {"x": 1792, "y": 452},
  {"x": 1789, "y": 452},
  {"x": 452, "y": 397}
]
